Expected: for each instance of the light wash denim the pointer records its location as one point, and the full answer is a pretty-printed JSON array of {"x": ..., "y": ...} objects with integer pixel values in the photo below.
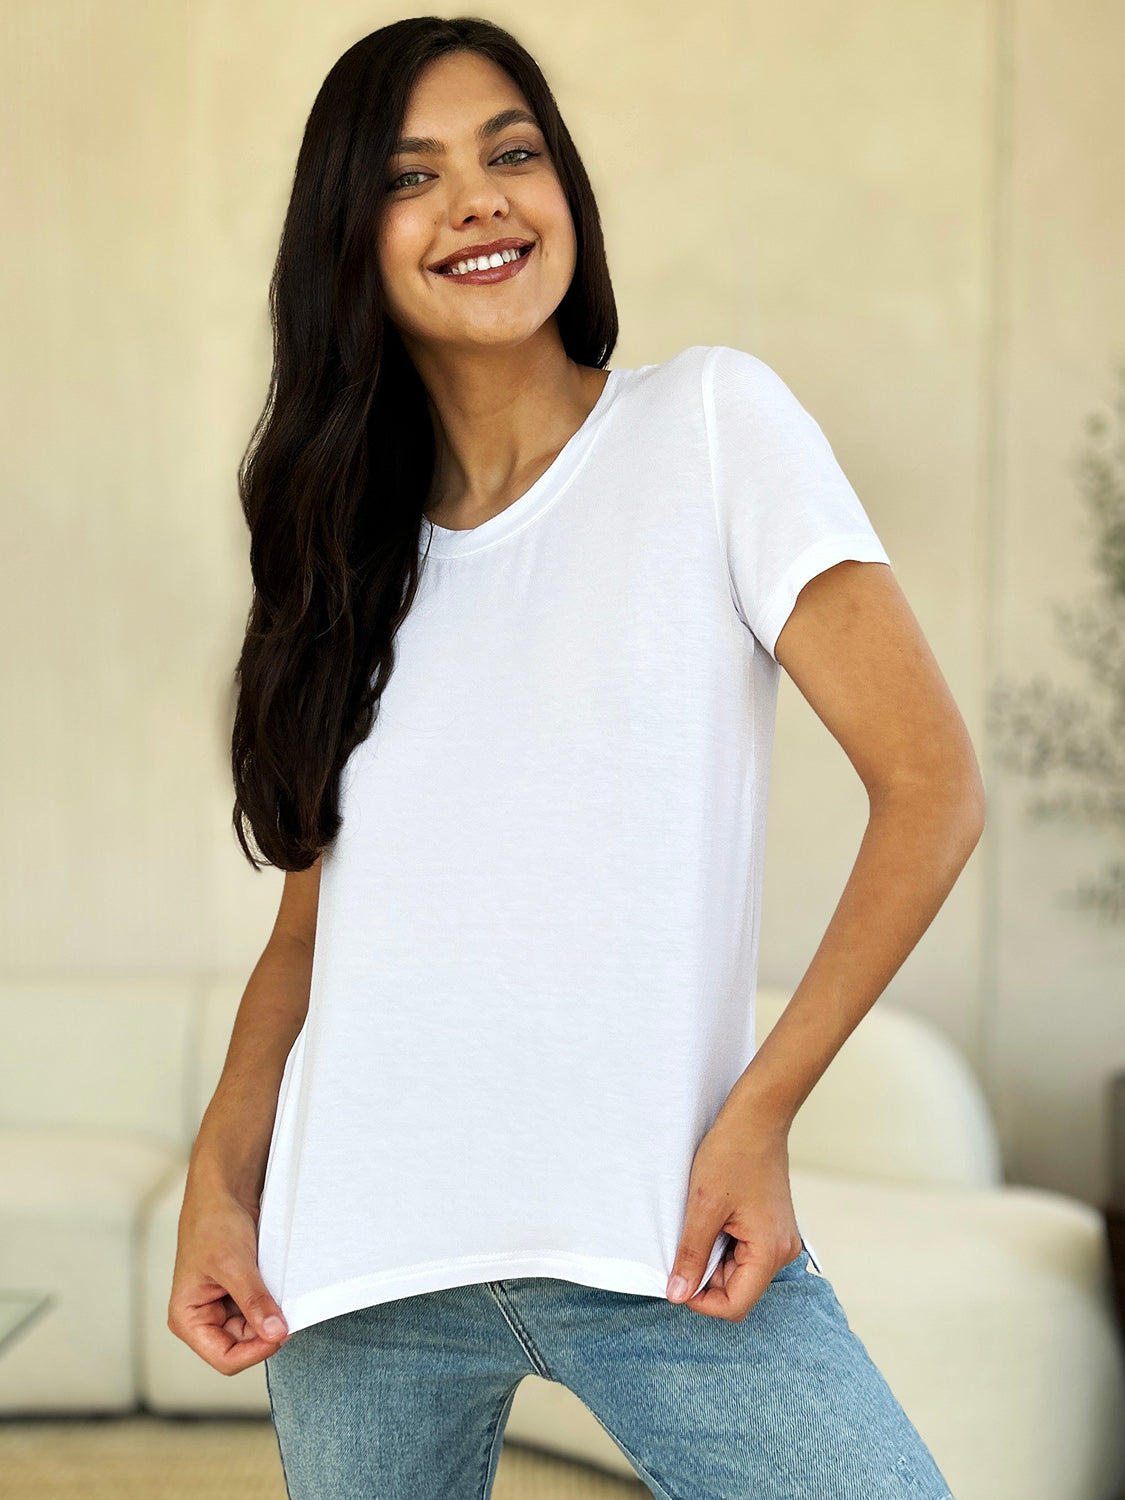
[{"x": 407, "y": 1400}]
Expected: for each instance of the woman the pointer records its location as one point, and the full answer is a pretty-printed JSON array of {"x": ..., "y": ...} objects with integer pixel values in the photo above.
[{"x": 492, "y": 1104}]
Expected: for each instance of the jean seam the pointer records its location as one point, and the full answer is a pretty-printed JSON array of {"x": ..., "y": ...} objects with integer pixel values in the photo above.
[{"x": 523, "y": 1337}]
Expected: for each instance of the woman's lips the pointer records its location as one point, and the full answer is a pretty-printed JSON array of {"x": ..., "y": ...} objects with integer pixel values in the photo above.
[{"x": 490, "y": 273}]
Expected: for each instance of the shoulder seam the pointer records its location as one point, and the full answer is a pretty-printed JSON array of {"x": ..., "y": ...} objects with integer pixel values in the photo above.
[{"x": 706, "y": 392}]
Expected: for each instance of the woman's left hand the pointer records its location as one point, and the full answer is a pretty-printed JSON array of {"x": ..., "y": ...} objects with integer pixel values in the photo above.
[{"x": 739, "y": 1183}]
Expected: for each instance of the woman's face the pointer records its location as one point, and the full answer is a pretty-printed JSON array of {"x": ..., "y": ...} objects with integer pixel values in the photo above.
[{"x": 440, "y": 203}]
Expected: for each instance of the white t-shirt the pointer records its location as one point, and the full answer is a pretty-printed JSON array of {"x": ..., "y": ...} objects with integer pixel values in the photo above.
[{"x": 536, "y": 953}]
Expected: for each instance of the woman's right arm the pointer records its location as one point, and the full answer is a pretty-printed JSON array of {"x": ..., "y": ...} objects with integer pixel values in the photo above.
[{"x": 219, "y": 1304}]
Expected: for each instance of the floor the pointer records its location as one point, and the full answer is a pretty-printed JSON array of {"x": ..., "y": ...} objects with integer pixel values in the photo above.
[{"x": 154, "y": 1458}]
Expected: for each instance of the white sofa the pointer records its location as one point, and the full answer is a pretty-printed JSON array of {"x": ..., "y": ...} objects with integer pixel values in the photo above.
[{"x": 987, "y": 1306}]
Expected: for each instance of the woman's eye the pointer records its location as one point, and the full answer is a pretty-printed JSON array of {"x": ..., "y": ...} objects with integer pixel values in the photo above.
[
  {"x": 401, "y": 182},
  {"x": 513, "y": 149}
]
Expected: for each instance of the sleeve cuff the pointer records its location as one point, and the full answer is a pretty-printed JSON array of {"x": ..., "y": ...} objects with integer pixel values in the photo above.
[{"x": 824, "y": 553}]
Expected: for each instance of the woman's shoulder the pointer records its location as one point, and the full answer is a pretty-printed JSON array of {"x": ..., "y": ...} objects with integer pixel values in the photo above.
[
  {"x": 715, "y": 363},
  {"x": 722, "y": 377}
]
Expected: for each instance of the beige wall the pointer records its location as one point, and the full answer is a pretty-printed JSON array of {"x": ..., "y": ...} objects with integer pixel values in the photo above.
[{"x": 910, "y": 211}]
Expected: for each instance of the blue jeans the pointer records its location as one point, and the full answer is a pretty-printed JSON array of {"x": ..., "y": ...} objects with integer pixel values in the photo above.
[{"x": 407, "y": 1400}]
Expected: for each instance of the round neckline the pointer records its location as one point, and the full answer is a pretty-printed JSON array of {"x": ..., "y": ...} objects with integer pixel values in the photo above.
[{"x": 445, "y": 541}]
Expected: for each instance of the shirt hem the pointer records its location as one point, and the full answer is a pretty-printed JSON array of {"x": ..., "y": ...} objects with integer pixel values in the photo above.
[{"x": 368, "y": 1291}]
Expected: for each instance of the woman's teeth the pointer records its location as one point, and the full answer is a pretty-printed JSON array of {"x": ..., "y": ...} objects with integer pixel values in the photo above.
[{"x": 481, "y": 262}]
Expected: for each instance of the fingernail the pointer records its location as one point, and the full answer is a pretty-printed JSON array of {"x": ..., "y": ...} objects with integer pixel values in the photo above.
[
  {"x": 273, "y": 1328},
  {"x": 677, "y": 1289}
]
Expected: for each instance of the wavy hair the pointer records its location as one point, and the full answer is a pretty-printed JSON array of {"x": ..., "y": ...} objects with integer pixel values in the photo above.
[{"x": 339, "y": 464}]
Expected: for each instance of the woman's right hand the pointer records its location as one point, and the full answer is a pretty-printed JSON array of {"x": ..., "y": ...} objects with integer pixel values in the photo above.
[{"x": 219, "y": 1305}]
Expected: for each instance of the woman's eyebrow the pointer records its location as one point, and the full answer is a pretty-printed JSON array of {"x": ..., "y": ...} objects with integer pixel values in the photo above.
[{"x": 425, "y": 145}]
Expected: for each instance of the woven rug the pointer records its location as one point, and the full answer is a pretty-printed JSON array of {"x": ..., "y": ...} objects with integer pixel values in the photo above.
[{"x": 157, "y": 1458}]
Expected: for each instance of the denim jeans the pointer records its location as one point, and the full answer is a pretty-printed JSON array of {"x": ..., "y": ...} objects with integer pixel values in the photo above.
[{"x": 407, "y": 1400}]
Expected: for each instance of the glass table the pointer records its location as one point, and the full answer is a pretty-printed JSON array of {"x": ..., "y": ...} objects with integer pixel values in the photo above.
[{"x": 18, "y": 1310}]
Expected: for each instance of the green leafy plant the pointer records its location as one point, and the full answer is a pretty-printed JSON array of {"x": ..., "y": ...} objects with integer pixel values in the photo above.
[{"x": 1075, "y": 745}]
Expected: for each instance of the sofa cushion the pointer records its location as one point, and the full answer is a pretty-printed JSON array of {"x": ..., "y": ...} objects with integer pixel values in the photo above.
[
  {"x": 78, "y": 1176},
  {"x": 989, "y": 1312},
  {"x": 72, "y": 1202},
  {"x": 108, "y": 1055}
]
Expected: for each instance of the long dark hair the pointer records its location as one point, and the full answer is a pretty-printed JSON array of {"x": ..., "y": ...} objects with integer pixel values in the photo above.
[{"x": 339, "y": 465}]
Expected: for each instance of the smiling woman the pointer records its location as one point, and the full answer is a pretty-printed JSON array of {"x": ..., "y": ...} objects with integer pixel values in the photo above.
[
  {"x": 492, "y": 1104},
  {"x": 479, "y": 315},
  {"x": 463, "y": 166}
]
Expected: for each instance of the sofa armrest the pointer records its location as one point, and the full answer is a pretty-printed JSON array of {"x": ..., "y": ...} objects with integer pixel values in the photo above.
[{"x": 898, "y": 1103}]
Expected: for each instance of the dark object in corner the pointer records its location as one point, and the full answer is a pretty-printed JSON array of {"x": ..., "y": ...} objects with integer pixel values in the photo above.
[{"x": 1115, "y": 1208}]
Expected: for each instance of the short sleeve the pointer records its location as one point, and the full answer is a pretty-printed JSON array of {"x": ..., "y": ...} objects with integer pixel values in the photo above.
[{"x": 784, "y": 507}]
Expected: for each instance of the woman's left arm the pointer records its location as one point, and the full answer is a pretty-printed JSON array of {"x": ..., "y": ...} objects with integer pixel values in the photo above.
[{"x": 857, "y": 653}]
